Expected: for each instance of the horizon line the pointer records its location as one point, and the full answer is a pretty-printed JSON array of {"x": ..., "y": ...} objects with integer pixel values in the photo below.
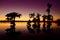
[{"x": 24, "y": 21}]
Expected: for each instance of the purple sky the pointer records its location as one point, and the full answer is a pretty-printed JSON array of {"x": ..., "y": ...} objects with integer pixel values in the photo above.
[{"x": 25, "y": 7}]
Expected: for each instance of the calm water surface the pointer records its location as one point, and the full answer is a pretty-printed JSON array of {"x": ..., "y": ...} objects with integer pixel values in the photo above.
[{"x": 22, "y": 26}]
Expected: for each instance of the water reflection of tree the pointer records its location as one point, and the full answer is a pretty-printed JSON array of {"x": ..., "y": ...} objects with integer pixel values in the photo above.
[
  {"x": 36, "y": 21},
  {"x": 11, "y": 31},
  {"x": 48, "y": 18},
  {"x": 36, "y": 25}
]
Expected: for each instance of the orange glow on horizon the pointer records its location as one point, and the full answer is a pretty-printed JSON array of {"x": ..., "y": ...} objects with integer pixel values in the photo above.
[
  {"x": 21, "y": 26},
  {"x": 25, "y": 18}
]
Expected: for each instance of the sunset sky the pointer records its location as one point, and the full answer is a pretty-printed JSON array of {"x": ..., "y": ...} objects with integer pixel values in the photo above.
[{"x": 25, "y": 7}]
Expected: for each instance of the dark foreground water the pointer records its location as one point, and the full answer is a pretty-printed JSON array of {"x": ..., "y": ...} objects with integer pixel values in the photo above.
[{"x": 25, "y": 35}]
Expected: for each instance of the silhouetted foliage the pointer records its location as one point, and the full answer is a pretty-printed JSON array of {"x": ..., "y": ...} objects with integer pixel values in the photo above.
[
  {"x": 12, "y": 16},
  {"x": 49, "y": 19},
  {"x": 58, "y": 22},
  {"x": 36, "y": 25},
  {"x": 32, "y": 15},
  {"x": 49, "y": 6},
  {"x": 11, "y": 31}
]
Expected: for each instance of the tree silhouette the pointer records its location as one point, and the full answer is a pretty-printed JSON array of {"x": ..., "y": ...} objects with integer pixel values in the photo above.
[
  {"x": 32, "y": 15},
  {"x": 38, "y": 17},
  {"x": 44, "y": 25},
  {"x": 58, "y": 22},
  {"x": 36, "y": 26},
  {"x": 11, "y": 31},
  {"x": 48, "y": 18},
  {"x": 12, "y": 15},
  {"x": 49, "y": 6}
]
